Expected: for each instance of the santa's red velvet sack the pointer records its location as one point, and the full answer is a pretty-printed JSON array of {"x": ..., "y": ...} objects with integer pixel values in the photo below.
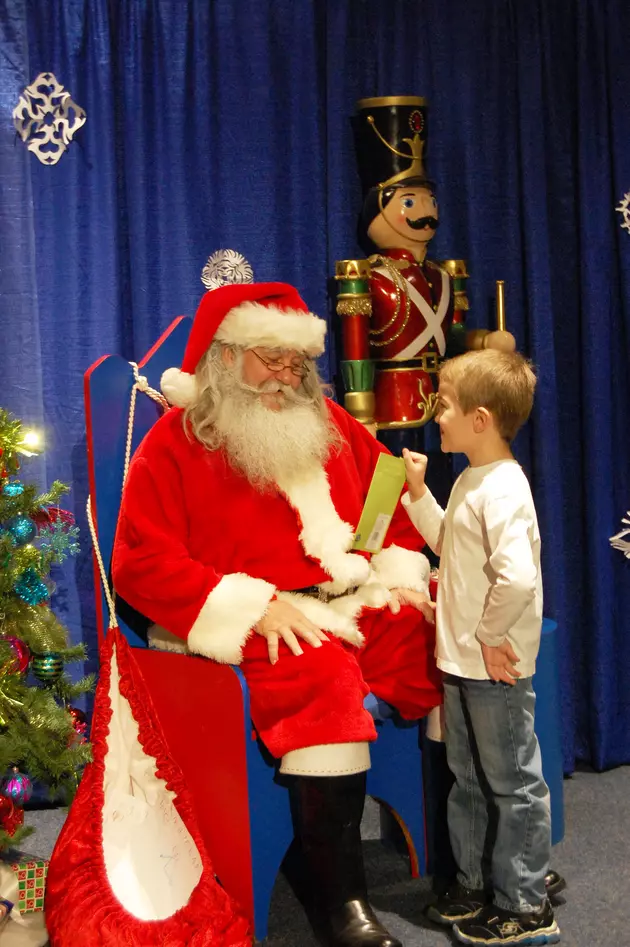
[{"x": 129, "y": 867}]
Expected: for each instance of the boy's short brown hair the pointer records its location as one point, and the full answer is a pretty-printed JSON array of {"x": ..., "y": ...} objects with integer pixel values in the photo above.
[{"x": 501, "y": 382}]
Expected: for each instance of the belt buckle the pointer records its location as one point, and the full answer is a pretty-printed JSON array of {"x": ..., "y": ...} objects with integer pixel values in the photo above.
[
  {"x": 326, "y": 597},
  {"x": 429, "y": 361}
]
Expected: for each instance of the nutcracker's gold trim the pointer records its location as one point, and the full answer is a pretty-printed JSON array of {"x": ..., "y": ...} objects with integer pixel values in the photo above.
[
  {"x": 415, "y": 169},
  {"x": 460, "y": 301},
  {"x": 354, "y": 305},
  {"x": 399, "y": 285},
  {"x": 395, "y": 425},
  {"x": 361, "y": 405},
  {"x": 455, "y": 268},
  {"x": 428, "y": 404},
  {"x": 385, "y": 100},
  {"x": 400, "y": 265},
  {"x": 352, "y": 269}
]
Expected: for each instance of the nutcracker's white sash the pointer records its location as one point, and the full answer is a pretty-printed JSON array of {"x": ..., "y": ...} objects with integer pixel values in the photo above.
[{"x": 433, "y": 329}]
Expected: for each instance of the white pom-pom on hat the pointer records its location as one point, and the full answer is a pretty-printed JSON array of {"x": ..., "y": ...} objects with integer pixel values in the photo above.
[{"x": 178, "y": 387}]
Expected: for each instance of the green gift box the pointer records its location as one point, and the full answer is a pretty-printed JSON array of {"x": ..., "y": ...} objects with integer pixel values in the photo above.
[{"x": 31, "y": 879}]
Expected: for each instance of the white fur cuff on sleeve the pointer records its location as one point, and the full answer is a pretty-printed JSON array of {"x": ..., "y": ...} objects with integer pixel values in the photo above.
[
  {"x": 399, "y": 568},
  {"x": 227, "y": 617}
]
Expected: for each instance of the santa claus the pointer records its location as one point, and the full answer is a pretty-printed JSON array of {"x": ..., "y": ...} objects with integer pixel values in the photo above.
[{"x": 236, "y": 530}]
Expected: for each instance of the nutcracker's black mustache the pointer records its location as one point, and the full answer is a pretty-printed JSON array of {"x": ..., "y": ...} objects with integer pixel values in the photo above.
[{"x": 421, "y": 222}]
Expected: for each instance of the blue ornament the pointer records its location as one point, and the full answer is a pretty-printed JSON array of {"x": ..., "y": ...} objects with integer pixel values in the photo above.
[
  {"x": 48, "y": 667},
  {"x": 13, "y": 489},
  {"x": 22, "y": 529},
  {"x": 30, "y": 588}
]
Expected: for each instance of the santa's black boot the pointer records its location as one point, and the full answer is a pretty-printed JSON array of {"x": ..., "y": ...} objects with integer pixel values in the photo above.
[{"x": 327, "y": 813}]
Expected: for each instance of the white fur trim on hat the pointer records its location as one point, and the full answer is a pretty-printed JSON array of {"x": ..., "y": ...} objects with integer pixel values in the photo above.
[
  {"x": 252, "y": 324},
  {"x": 179, "y": 388},
  {"x": 228, "y": 615}
]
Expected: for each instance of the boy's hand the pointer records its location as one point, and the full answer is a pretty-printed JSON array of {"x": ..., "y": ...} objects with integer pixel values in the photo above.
[
  {"x": 500, "y": 662},
  {"x": 415, "y": 469}
]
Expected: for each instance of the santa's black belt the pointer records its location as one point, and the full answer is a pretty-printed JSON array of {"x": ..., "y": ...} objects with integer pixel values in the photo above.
[{"x": 315, "y": 591}]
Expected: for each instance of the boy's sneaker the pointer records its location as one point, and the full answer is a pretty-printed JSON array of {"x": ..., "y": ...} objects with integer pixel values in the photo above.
[
  {"x": 458, "y": 903},
  {"x": 493, "y": 925}
]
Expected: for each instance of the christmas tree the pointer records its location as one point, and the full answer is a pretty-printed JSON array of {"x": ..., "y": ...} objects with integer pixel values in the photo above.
[{"x": 42, "y": 736}]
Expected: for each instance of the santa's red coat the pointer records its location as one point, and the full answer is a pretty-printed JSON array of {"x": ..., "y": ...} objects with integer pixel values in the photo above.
[{"x": 201, "y": 553}]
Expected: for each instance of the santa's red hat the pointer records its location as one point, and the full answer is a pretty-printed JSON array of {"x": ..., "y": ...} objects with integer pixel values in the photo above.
[{"x": 272, "y": 315}]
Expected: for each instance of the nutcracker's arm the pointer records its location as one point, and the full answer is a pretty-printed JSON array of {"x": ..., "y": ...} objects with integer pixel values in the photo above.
[
  {"x": 500, "y": 339},
  {"x": 354, "y": 306}
]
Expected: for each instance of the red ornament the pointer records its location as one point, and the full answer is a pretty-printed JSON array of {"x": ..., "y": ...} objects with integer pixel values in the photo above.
[
  {"x": 51, "y": 514},
  {"x": 79, "y": 725},
  {"x": 11, "y": 816},
  {"x": 19, "y": 664}
]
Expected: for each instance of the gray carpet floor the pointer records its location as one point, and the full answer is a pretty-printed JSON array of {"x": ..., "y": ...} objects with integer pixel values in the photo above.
[{"x": 594, "y": 857}]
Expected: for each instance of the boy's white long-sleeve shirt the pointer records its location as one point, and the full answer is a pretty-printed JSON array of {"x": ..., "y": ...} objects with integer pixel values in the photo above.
[{"x": 490, "y": 584}]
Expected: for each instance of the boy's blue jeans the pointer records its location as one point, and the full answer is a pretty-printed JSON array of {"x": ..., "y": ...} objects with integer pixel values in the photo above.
[{"x": 498, "y": 809}]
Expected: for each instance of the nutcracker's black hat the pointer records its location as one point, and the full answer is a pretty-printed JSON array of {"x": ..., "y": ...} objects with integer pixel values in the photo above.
[{"x": 390, "y": 137}]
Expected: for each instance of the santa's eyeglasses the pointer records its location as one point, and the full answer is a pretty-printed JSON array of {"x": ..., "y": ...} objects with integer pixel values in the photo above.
[{"x": 298, "y": 366}]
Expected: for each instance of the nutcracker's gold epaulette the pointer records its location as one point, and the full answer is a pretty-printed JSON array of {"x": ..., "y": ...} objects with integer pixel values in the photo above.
[
  {"x": 352, "y": 269},
  {"x": 456, "y": 269},
  {"x": 353, "y": 297}
]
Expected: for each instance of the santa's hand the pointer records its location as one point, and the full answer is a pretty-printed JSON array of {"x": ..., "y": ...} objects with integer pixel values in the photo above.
[
  {"x": 500, "y": 661},
  {"x": 418, "y": 599},
  {"x": 284, "y": 621},
  {"x": 415, "y": 470}
]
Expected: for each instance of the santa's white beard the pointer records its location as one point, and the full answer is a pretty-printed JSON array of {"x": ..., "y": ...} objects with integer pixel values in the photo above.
[{"x": 267, "y": 445}]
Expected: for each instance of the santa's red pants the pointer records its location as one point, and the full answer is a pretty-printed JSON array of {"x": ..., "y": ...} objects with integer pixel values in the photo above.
[{"x": 317, "y": 697}]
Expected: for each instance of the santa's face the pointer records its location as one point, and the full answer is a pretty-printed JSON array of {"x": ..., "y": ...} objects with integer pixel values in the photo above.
[
  {"x": 409, "y": 220},
  {"x": 265, "y": 368},
  {"x": 268, "y": 420}
]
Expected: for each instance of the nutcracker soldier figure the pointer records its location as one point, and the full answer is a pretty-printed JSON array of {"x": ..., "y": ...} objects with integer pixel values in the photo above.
[{"x": 401, "y": 313}]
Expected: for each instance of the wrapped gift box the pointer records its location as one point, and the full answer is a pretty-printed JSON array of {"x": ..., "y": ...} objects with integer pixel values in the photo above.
[{"x": 31, "y": 880}]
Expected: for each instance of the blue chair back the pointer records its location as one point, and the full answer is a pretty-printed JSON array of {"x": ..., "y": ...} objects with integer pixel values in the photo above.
[{"x": 108, "y": 385}]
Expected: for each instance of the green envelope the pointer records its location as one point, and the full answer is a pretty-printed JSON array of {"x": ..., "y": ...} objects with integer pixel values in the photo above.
[{"x": 387, "y": 482}]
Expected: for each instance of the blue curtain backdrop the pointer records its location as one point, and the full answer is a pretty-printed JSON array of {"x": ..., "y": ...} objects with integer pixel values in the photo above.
[{"x": 224, "y": 123}]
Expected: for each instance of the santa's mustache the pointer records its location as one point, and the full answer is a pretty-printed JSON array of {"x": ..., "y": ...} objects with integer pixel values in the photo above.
[
  {"x": 273, "y": 385},
  {"x": 422, "y": 222}
]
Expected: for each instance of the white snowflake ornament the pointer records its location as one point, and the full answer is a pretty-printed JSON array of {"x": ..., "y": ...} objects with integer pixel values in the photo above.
[
  {"x": 621, "y": 540},
  {"x": 224, "y": 267},
  {"x": 46, "y": 118},
  {"x": 623, "y": 208}
]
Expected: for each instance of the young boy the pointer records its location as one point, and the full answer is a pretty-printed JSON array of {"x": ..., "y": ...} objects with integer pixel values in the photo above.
[{"x": 489, "y": 616}]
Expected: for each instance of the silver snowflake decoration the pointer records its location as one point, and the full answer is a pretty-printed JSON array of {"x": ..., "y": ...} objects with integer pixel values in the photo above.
[
  {"x": 226, "y": 266},
  {"x": 624, "y": 209},
  {"x": 46, "y": 118},
  {"x": 621, "y": 540}
]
